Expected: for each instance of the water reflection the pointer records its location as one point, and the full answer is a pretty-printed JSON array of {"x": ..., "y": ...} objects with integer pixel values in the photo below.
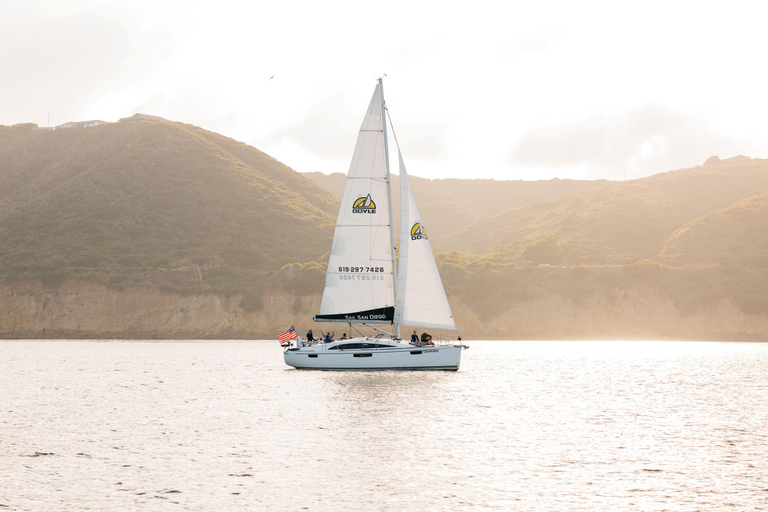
[{"x": 522, "y": 426}]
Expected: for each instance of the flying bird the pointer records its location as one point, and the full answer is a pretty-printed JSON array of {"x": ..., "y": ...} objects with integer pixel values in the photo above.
[{"x": 270, "y": 78}]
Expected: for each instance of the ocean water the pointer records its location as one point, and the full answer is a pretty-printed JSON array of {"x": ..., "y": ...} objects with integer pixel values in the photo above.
[{"x": 523, "y": 426}]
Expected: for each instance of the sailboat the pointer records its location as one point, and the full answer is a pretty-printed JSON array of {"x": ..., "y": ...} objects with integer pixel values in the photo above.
[{"x": 363, "y": 285}]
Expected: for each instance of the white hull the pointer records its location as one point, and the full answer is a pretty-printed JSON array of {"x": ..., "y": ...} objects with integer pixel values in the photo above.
[{"x": 374, "y": 354}]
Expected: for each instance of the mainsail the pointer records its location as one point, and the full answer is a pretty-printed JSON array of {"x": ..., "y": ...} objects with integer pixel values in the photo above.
[
  {"x": 359, "y": 283},
  {"x": 421, "y": 300}
]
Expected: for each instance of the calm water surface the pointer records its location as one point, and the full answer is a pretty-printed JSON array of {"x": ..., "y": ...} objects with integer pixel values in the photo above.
[{"x": 561, "y": 426}]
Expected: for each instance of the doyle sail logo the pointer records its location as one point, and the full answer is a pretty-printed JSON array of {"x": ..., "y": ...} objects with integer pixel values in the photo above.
[
  {"x": 364, "y": 205},
  {"x": 418, "y": 232}
]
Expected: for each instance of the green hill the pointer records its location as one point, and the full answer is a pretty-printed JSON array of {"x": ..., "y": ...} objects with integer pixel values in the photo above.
[
  {"x": 618, "y": 224},
  {"x": 733, "y": 236},
  {"x": 450, "y": 204},
  {"x": 150, "y": 193}
]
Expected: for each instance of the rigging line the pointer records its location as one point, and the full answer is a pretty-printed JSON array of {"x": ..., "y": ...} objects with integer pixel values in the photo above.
[{"x": 392, "y": 127}]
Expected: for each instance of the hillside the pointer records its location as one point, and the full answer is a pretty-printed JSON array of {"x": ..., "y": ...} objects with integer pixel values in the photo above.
[
  {"x": 145, "y": 194},
  {"x": 148, "y": 228},
  {"x": 450, "y": 204},
  {"x": 733, "y": 236},
  {"x": 618, "y": 224}
]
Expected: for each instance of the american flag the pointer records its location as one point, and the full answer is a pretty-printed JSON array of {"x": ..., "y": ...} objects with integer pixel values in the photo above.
[{"x": 287, "y": 335}]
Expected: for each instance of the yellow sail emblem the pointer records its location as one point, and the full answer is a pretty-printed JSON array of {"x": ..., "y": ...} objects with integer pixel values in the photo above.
[
  {"x": 418, "y": 232},
  {"x": 364, "y": 205}
]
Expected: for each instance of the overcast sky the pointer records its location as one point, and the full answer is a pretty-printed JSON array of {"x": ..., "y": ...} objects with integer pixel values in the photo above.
[{"x": 500, "y": 89}]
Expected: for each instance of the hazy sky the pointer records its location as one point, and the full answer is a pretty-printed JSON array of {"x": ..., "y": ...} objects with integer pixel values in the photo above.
[{"x": 500, "y": 89}]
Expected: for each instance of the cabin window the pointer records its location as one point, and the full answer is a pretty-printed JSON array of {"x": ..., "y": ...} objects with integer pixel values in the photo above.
[
  {"x": 415, "y": 352},
  {"x": 353, "y": 346},
  {"x": 312, "y": 355},
  {"x": 362, "y": 355}
]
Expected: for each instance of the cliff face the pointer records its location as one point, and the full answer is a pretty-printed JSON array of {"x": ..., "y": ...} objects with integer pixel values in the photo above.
[
  {"x": 640, "y": 313},
  {"x": 83, "y": 309}
]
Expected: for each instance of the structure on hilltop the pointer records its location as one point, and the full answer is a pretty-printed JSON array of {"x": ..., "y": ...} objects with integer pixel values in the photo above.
[{"x": 80, "y": 124}]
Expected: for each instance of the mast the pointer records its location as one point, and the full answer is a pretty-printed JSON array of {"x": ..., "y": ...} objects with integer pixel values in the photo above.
[{"x": 389, "y": 193}]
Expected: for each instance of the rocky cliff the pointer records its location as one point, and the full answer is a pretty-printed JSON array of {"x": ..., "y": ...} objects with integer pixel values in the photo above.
[
  {"x": 641, "y": 313},
  {"x": 82, "y": 309}
]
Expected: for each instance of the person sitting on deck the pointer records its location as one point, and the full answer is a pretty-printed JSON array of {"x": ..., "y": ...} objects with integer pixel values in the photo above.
[
  {"x": 415, "y": 338},
  {"x": 343, "y": 336},
  {"x": 426, "y": 338},
  {"x": 310, "y": 336},
  {"x": 328, "y": 337}
]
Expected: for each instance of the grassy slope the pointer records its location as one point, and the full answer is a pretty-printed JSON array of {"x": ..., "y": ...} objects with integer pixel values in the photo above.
[
  {"x": 448, "y": 205},
  {"x": 618, "y": 224},
  {"x": 153, "y": 194},
  {"x": 733, "y": 236}
]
